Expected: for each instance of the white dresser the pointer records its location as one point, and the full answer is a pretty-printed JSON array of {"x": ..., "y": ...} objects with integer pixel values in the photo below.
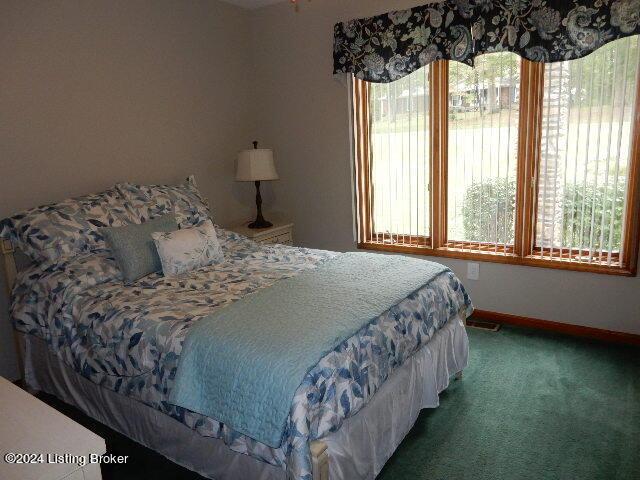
[
  {"x": 281, "y": 232},
  {"x": 49, "y": 445}
]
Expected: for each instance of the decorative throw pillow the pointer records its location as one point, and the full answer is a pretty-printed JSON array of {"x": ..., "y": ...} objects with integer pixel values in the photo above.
[
  {"x": 188, "y": 249},
  {"x": 151, "y": 201},
  {"x": 68, "y": 228},
  {"x": 133, "y": 248}
]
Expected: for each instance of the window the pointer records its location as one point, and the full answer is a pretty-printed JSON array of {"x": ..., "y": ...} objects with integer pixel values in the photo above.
[
  {"x": 399, "y": 142},
  {"x": 482, "y": 152},
  {"x": 583, "y": 178},
  {"x": 509, "y": 161}
]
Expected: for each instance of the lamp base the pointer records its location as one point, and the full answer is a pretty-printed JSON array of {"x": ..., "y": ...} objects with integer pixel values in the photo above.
[{"x": 261, "y": 223}]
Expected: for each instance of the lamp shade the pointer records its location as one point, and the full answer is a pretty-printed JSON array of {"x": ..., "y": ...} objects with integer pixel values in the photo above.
[{"x": 256, "y": 165}]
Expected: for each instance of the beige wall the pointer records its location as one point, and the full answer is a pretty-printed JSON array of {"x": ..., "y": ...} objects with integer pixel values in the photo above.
[
  {"x": 95, "y": 92},
  {"x": 302, "y": 113}
]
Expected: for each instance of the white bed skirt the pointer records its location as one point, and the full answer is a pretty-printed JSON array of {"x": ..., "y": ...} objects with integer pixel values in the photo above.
[{"x": 358, "y": 450}]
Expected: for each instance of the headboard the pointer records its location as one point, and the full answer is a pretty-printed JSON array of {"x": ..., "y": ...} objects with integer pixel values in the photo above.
[
  {"x": 10, "y": 271},
  {"x": 9, "y": 263}
]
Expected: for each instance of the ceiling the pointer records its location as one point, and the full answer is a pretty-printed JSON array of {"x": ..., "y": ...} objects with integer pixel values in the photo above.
[{"x": 251, "y": 4}]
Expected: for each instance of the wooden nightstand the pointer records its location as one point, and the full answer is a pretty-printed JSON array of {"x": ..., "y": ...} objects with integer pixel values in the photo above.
[{"x": 281, "y": 232}]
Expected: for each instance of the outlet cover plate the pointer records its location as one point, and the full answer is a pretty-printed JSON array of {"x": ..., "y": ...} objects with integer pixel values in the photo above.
[{"x": 473, "y": 271}]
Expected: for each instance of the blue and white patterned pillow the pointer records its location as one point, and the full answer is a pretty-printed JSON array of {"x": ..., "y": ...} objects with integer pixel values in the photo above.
[
  {"x": 68, "y": 228},
  {"x": 151, "y": 201},
  {"x": 188, "y": 249}
]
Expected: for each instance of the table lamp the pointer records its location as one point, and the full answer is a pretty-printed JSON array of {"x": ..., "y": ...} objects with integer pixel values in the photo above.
[{"x": 256, "y": 166}]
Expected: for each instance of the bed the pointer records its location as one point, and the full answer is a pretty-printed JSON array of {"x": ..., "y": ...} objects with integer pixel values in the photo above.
[{"x": 114, "y": 350}]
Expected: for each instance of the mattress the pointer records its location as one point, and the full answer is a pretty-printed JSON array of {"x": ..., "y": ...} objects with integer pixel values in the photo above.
[{"x": 129, "y": 339}]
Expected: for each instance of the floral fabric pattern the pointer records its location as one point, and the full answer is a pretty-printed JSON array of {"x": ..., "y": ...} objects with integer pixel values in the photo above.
[
  {"x": 129, "y": 338},
  {"x": 151, "y": 201},
  {"x": 387, "y": 47},
  {"x": 69, "y": 228},
  {"x": 51, "y": 233},
  {"x": 189, "y": 249}
]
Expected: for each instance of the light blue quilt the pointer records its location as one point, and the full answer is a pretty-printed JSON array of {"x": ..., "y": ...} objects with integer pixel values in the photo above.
[{"x": 243, "y": 364}]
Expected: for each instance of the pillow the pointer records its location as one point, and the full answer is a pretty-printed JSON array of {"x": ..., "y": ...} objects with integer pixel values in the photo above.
[
  {"x": 69, "y": 228},
  {"x": 133, "y": 247},
  {"x": 189, "y": 249},
  {"x": 151, "y": 201}
]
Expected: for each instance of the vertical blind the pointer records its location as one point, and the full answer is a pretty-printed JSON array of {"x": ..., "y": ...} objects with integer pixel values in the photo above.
[
  {"x": 482, "y": 152},
  {"x": 399, "y": 159},
  {"x": 514, "y": 158},
  {"x": 587, "y": 117}
]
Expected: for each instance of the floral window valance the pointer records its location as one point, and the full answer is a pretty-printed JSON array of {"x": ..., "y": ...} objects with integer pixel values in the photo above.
[{"x": 387, "y": 47}]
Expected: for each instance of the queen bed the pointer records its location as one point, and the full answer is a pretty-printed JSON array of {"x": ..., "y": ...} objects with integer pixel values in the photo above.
[{"x": 116, "y": 351}]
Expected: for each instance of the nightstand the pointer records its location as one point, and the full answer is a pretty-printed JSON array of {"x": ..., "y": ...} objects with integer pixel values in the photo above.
[{"x": 281, "y": 232}]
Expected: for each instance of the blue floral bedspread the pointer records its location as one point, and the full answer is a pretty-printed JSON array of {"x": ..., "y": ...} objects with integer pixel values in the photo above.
[{"x": 129, "y": 339}]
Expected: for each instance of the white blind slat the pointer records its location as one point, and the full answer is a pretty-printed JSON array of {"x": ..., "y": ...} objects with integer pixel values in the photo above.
[
  {"x": 582, "y": 187},
  {"x": 483, "y": 135}
]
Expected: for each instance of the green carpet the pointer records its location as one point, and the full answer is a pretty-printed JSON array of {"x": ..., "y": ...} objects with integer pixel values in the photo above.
[{"x": 531, "y": 405}]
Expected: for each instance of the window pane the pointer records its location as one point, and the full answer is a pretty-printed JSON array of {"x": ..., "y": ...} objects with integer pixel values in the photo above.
[
  {"x": 483, "y": 138},
  {"x": 586, "y": 140},
  {"x": 400, "y": 170}
]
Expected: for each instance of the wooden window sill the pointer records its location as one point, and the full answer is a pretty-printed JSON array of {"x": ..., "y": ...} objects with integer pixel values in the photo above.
[{"x": 500, "y": 257}]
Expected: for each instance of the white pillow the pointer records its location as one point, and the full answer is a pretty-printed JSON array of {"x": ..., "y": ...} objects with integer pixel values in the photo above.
[{"x": 188, "y": 249}]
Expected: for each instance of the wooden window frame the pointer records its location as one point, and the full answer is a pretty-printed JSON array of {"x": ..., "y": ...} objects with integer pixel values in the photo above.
[{"x": 523, "y": 251}]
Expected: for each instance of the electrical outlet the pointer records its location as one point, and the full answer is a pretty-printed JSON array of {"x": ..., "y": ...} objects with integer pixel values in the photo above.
[{"x": 473, "y": 271}]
